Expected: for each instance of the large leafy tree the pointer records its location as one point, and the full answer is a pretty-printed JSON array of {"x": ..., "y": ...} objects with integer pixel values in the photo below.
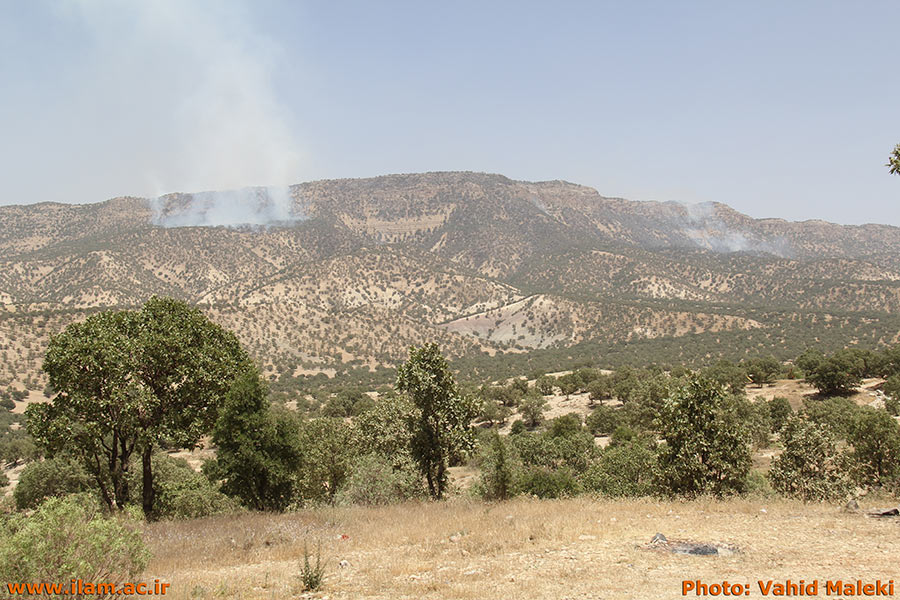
[
  {"x": 258, "y": 452},
  {"x": 127, "y": 380},
  {"x": 441, "y": 423},
  {"x": 707, "y": 449}
]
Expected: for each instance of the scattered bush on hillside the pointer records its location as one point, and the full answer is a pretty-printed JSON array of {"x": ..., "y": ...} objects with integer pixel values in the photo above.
[
  {"x": 54, "y": 477},
  {"x": 68, "y": 538},
  {"x": 810, "y": 467}
]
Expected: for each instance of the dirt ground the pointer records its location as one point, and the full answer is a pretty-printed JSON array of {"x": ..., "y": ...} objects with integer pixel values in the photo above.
[{"x": 576, "y": 549}]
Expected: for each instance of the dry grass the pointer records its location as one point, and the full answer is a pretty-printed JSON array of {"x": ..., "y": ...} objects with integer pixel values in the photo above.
[{"x": 579, "y": 548}]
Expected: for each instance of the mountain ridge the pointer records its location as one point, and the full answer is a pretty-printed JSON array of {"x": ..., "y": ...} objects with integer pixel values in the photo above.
[{"x": 355, "y": 271}]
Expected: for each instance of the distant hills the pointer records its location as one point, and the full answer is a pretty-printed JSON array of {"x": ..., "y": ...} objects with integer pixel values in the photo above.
[{"x": 335, "y": 274}]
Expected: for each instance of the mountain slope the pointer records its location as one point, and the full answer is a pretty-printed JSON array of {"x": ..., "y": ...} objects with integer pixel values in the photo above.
[{"x": 480, "y": 263}]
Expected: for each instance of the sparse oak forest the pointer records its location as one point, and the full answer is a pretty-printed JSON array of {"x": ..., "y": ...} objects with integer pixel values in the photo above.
[{"x": 427, "y": 343}]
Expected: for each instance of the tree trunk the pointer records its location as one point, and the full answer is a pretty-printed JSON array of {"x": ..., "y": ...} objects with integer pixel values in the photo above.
[{"x": 148, "y": 482}]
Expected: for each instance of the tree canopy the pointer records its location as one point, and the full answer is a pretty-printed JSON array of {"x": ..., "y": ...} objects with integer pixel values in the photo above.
[
  {"x": 441, "y": 425},
  {"x": 128, "y": 380},
  {"x": 894, "y": 161}
]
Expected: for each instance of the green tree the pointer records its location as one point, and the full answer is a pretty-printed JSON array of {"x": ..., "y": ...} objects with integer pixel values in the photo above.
[
  {"x": 779, "y": 412},
  {"x": 569, "y": 384},
  {"x": 625, "y": 470},
  {"x": 532, "y": 410},
  {"x": 894, "y": 161},
  {"x": 128, "y": 380},
  {"x": 497, "y": 471},
  {"x": 545, "y": 384},
  {"x": 706, "y": 447},
  {"x": 603, "y": 420},
  {"x": 383, "y": 430},
  {"x": 875, "y": 437},
  {"x": 763, "y": 371},
  {"x": 836, "y": 375},
  {"x": 600, "y": 389},
  {"x": 441, "y": 426},
  {"x": 810, "y": 467},
  {"x": 257, "y": 455},
  {"x": 328, "y": 457}
]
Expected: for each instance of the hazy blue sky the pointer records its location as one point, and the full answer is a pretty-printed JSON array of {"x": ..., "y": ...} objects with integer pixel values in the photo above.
[{"x": 780, "y": 109}]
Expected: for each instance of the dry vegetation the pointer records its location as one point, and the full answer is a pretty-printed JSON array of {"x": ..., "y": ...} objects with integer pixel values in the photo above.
[
  {"x": 578, "y": 548},
  {"x": 479, "y": 263}
]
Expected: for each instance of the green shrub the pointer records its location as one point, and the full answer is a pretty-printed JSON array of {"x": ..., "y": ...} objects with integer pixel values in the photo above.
[
  {"x": 181, "y": 492},
  {"x": 603, "y": 420},
  {"x": 312, "y": 576},
  {"x": 779, "y": 412},
  {"x": 50, "y": 478},
  {"x": 375, "y": 480},
  {"x": 758, "y": 485},
  {"x": 625, "y": 470},
  {"x": 810, "y": 467},
  {"x": 497, "y": 471},
  {"x": 545, "y": 482},
  {"x": 564, "y": 425},
  {"x": 837, "y": 415},
  {"x": 68, "y": 538}
]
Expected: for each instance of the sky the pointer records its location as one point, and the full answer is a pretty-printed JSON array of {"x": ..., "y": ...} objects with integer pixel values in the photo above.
[{"x": 779, "y": 109}]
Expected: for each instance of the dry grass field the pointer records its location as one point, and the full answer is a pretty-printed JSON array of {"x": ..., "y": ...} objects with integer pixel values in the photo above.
[{"x": 577, "y": 548}]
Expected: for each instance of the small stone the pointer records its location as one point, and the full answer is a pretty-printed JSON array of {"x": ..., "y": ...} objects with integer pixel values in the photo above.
[
  {"x": 763, "y": 511},
  {"x": 852, "y": 505},
  {"x": 344, "y": 564},
  {"x": 659, "y": 539},
  {"x": 455, "y": 538}
]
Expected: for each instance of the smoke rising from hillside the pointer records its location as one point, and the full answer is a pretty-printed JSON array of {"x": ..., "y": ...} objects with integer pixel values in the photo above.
[
  {"x": 192, "y": 84},
  {"x": 248, "y": 206},
  {"x": 707, "y": 230}
]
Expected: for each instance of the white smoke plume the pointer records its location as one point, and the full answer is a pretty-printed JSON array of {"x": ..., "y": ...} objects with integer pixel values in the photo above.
[
  {"x": 705, "y": 229},
  {"x": 249, "y": 206},
  {"x": 194, "y": 82}
]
